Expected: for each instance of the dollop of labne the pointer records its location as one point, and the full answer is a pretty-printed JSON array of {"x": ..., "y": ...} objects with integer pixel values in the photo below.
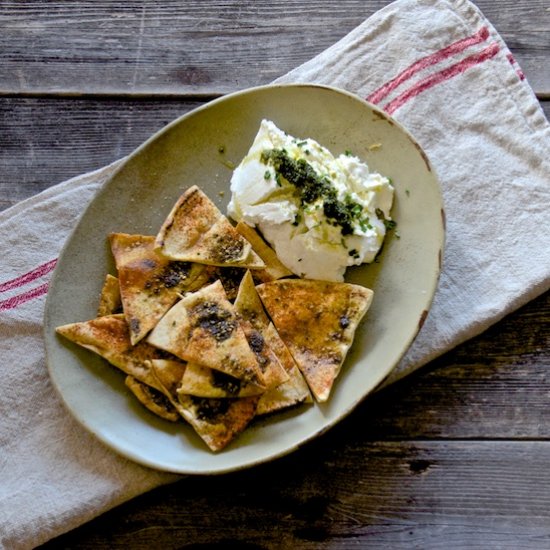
[{"x": 320, "y": 213}]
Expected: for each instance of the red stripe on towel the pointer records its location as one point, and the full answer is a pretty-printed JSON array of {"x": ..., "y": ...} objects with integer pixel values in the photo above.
[
  {"x": 514, "y": 64},
  {"x": 441, "y": 76},
  {"x": 28, "y": 277},
  {"x": 16, "y": 301},
  {"x": 432, "y": 59}
]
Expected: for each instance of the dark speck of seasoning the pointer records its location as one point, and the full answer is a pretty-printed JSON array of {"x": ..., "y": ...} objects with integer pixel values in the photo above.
[
  {"x": 256, "y": 341},
  {"x": 344, "y": 321},
  {"x": 214, "y": 319},
  {"x": 226, "y": 249},
  {"x": 225, "y": 382},
  {"x": 209, "y": 409},
  {"x": 174, "y": 273},
  {"x": 134, "y": 325}
]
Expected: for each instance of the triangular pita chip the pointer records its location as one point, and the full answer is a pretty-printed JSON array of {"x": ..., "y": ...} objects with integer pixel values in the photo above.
[
  {"x": 229, "y": 277},
  {"x": 109, "y": 337},
  {"x": 317, "y": 321},
  {"x": 216, "y": 421},
  {"x": 205, "y": 382},
  {"x": 252, "y": 318},
  {"x": 274, "y": 269},
  {"x": 203, "y": 328},
  {"x": 149, "y": 283},
  {"x": 290, "y": 393},
  {"x": 152, "y": 399},
  {"x": 196, "y": 231},
  {"x": 109, "y": 300}
]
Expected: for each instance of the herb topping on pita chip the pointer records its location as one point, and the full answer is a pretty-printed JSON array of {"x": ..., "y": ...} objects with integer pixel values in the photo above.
[
  {"x": 216, "y": 421},
  {"x": 203, "y": 328},
  {"x": 205, "y": 382},
  {"x": 152, "y": 399},
  {"x": 149, "y": 283},
  {"x": 196, "y": 231},
  {"x": 254, "y": 322},
  {"x": 319, "y": 327}
]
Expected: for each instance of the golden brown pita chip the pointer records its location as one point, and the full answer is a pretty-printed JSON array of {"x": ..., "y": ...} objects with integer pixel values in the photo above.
[
  {"x": 229, "y": 277},
  {"x": 152, "y": 399},
  {"x": 252, "y": 317},
  {"x": 205, "y": 382},
  {"x": 168, "y": 374},
  {"x": 203, "y": 328},
  {"x": 317, "y": 322},
  {"x": 290, "y": 393},
  {"x": 109, "y": 337},
  {"x": 196, "y": 231},
  {"x": 149, "y": 283},
  {"x": 109, "y": 300},
  {"x": 216, "y": 421},
  {"x": 274, "y": 269}
]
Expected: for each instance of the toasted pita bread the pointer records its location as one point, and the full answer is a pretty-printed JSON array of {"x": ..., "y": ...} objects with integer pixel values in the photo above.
[
  {"x": 109, "y": 300},
  {"x": 274, "y": 269},
  {"x": 203, "y": 328},
  {"x": 253, "y": 319},
  {"x": 290, "y": 393},
  {"x": 216, "y": 421},
  {"x": 205, "y": 382},
  {"x": 230, "y": 278},
  {"x": 152, "y": 399},
  {"x": 109, "y": 337},
  {"x": 196, "y": 231},
  {"x": 320, "y": 325},
  {"x": 149, "y": 283}
]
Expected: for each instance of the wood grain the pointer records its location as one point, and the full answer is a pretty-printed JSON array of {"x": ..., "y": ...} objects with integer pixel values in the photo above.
[
  {"x": 205, "y": 46},
  {"x": 419, "y": 494}
]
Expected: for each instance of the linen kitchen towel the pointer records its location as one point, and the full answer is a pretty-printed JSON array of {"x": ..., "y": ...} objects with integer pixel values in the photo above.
[{"x": 441, "y": 69}]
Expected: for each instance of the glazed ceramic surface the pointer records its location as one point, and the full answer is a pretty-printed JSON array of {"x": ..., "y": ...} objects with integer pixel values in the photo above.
[{"x": 201, "y": 148}]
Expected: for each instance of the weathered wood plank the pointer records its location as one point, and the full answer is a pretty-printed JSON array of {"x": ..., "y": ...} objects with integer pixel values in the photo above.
[
  {"x": 45, "y": 141},
  {"x": 348, "y": 493},
  {"x": 201, "y": 46},
  {"x": 494, "y": 386}
]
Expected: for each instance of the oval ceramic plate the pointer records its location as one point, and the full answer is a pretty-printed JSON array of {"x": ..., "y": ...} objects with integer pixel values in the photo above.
[{"x": 141, "y": 193}]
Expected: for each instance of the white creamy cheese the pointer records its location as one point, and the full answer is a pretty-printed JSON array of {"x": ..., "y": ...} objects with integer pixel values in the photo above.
[{"x": 320, "y": 213}]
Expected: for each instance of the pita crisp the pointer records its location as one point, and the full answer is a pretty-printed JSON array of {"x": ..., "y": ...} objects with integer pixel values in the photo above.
[
  {"x": 290, "y": 393},
  {"x": 149, "y": 283},
  {"x": 205, "y": 382},
  {"x": 152, "y": 399},
  {"x": 109, "y": 337},
  {"x": 216, "y": 421},
  {"x": 318, "y": 327},
  {"x": 253, "y": 320},
  {"x": 274, "y": 269},
  {"x": 203, "y": 328},
  {"x": 109, "y": 300},
  {"x": 196, "y": 231}
]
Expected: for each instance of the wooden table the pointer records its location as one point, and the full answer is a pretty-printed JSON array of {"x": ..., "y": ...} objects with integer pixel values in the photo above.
[{"x": 457, "y": 455}]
